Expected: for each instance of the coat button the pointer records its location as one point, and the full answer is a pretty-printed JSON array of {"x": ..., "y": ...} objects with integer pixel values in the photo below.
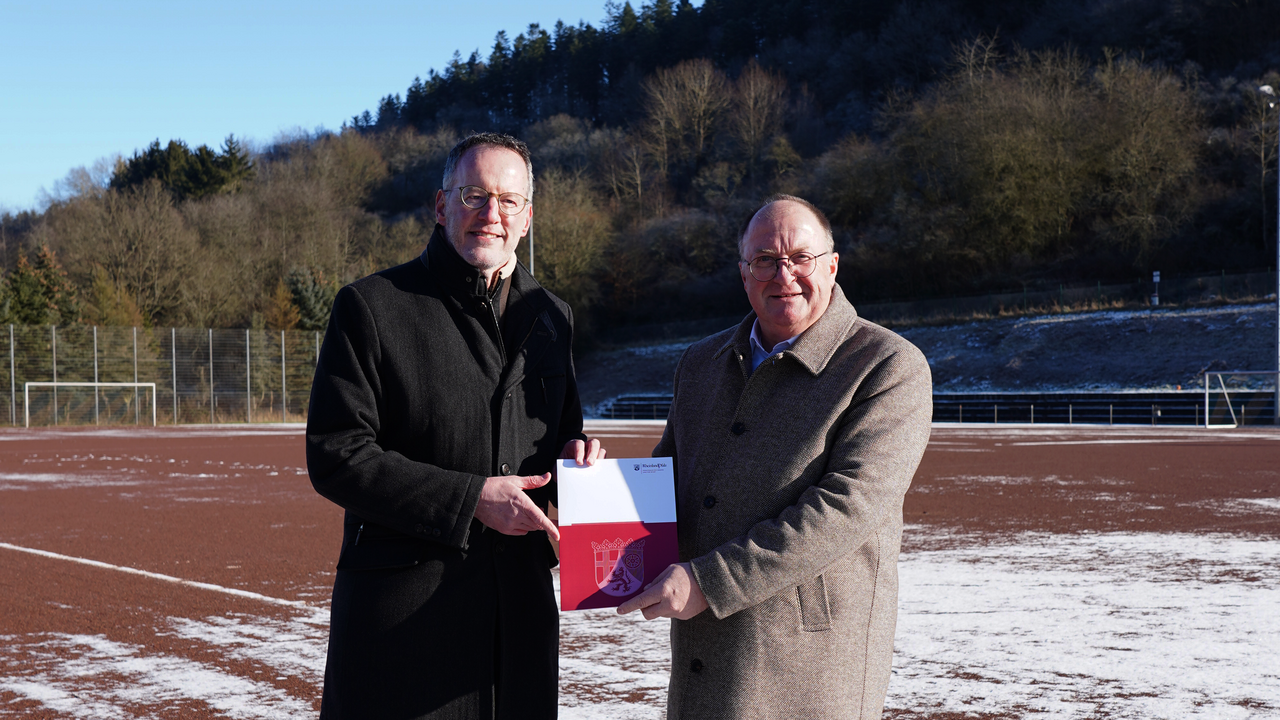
[
  {"x": 498, "y": 545},
  {"x": 505, "y": 468},
  {"x": 696, "y": 665},
  {"x": 709, "y": 501},
  {"x": 738, "y": 428},
  {"x": 417, "y": 528},
  {"x": 435, "y": 532}
]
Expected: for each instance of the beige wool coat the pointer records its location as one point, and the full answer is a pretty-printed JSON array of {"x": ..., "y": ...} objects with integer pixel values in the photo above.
[{"x": 789, "y": 487}]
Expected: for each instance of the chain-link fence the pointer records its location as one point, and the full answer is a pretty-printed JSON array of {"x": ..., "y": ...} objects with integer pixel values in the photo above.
[{"x": 200, "y": 375}]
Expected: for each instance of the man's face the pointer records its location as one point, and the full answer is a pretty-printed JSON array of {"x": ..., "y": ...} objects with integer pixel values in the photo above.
[
  {"x": 485, "y": 238},
  {"x": 788, "y": 305}
]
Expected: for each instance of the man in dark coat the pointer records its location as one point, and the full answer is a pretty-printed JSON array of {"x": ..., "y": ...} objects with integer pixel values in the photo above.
[{"x": 444, "y": 392}]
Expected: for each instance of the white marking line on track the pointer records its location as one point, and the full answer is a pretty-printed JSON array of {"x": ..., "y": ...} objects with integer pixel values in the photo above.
[
  {"x": 1100, "y": 441},
  {"x": 166, "y": 578}
]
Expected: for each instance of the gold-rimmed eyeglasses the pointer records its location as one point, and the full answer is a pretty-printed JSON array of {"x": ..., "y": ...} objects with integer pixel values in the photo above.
[
  {"x": 765, "y": 267},
  {"x": 476, "y": 197}
]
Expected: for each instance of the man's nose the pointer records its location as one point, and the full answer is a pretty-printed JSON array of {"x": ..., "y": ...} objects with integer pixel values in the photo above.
[
  {"x": 490, "y": 211},
  {"x": 790, "y": 272}
]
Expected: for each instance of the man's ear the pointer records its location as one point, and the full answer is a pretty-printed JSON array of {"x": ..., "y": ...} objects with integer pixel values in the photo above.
[
  {"x": 835, "y": 263},
  {"x": 441, "y": 197}
]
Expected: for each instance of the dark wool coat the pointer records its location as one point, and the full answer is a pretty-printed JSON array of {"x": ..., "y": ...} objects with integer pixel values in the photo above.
[
  {"x": 789, "y": 487},
  {"x": 417, "y": 399}
]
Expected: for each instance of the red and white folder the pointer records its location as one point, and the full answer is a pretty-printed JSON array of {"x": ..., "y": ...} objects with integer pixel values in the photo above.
[{"x": 617, "y": 529}]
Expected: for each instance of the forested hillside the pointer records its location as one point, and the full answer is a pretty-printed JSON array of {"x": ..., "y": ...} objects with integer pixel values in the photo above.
[{"x": 958, "y": 147}]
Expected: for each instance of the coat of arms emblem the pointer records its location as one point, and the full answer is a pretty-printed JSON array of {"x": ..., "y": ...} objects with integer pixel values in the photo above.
[{"x": 619, "y": 566}]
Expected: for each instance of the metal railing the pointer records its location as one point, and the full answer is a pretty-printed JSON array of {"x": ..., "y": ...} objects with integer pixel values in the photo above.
[{"x": 1237, "y": 407}]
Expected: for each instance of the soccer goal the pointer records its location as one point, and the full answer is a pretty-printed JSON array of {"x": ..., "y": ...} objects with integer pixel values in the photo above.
[
  {"x": 1230, "y": 396},
  {"x": 26, "y": 393}
]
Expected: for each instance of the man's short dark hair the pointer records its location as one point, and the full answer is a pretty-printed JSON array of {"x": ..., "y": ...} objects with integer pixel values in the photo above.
[
  {"x": 486, "y": 139},
  {"x": 782, "y": 197}
]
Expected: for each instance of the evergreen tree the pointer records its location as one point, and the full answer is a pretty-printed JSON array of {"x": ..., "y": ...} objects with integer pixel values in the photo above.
[
  {"x": 236, "y": 165},
  {"x": 40, "y": 293},
  {"x": 24, "y": 297},
  {"x": 187, "y": 173},
  {"x": 313, "y": 298}
]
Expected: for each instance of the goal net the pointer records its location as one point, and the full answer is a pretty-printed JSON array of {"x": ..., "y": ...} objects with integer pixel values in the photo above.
[
  {"x": 1234, "y": 398},
  {"x": 90, "y": 402}
]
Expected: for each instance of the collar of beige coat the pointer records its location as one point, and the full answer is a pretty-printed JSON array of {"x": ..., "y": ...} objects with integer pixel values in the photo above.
[{"x": 815, "y": 346}]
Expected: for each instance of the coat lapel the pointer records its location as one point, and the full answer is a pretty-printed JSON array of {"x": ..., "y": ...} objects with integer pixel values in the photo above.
[{"x": 529, "y": 331}]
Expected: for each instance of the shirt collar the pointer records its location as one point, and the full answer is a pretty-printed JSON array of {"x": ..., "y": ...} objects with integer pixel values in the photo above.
[{"x": 758, "y": 352}]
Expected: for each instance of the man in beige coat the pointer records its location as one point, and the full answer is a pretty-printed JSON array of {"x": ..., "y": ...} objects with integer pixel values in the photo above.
[{"x": 795, "y": 436}]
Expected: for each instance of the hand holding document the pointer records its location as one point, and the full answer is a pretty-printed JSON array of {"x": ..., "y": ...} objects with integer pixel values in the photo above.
[{"x": 617, "y": 528}]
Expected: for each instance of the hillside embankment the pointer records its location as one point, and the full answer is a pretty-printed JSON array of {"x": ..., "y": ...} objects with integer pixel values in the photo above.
[{"x": 1156, "y": 349}]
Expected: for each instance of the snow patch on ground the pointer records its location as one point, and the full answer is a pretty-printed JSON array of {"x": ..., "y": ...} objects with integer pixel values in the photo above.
[
  {"x": 1110, "y": 625},
  {"x": 1037, "y": 625},
  {"x": 26, "y": 481},
  {"x": 294, "y": 647},
  {"x": 91, "y": 676}
]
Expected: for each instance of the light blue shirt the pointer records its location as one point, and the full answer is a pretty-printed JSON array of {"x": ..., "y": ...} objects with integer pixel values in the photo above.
[{"x": 758, "y": 353}]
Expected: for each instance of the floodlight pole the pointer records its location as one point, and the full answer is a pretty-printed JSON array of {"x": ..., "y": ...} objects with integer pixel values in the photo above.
[{"x": 1268, "y": 90}]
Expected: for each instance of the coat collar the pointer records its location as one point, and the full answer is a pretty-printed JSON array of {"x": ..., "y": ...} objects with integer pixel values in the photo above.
[
  {"x": 452, "y": 271},
  {"x": 528, "y": 326},
  {"x": 815, "y": 346}
]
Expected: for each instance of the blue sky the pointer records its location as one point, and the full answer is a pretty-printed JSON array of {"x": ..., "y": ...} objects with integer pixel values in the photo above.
[{"x": 83, "y": 80}]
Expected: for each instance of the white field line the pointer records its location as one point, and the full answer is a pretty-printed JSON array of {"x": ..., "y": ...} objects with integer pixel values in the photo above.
[{"x": 166, "y": 578}]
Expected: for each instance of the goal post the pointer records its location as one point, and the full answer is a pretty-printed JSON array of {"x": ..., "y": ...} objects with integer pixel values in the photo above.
[
  {"x": 26, "y": 393},
  {"x": 1217, "y": 394}
]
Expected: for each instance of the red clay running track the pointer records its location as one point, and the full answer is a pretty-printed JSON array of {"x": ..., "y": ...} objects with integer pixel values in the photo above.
[{"x": 238, "y": 549}]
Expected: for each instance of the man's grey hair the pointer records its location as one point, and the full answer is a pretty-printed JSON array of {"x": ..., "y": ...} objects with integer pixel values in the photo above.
[
  {"x": 488, "y": 139},
  {"x": 780, "y": 197}
]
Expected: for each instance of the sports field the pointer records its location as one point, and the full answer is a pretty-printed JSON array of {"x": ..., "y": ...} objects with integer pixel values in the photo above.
[{"x": 1047, "y": 572}]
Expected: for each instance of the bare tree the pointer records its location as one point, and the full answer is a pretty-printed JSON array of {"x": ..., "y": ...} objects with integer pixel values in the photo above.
[
  {"x": 759, "y": 107},
  {"x": 136, "y": 237},
  {"x": 572, "y": 232},
  {"x": 686, "y": 105}
]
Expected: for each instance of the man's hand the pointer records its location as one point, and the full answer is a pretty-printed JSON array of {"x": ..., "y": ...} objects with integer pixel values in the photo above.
[
  {"x": 506, "y": 508},
  {"x": 584, "y": 453},
  {"x": 673, "y": 594}
]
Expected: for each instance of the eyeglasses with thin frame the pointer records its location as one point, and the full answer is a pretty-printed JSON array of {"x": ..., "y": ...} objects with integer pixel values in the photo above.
[
  {"x": 476, "y": 197},
  {"x": 765, "y": 267}
]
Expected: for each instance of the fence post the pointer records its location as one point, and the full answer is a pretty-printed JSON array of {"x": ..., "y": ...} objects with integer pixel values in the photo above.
[
  {"x": 13, "y": 384},
  {"x": 284, "y": 393},
  {"x": 53, "y": 333},
  {"x": 95, "y": 374},
  {"x": 137, "y": 416},
  {"x": 173, "y": 354},
  {"x": 212, "y": 398},
  {"x": 1033, "y": 413},
  {"x": 248, "y": 386}
]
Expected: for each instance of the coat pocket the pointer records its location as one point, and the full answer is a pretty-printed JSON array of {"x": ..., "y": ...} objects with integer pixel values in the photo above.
[
  {"x": 553, "y": 389},
  {"x": 815, "y": 611},
  {"x": 372, "y": 547}
]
